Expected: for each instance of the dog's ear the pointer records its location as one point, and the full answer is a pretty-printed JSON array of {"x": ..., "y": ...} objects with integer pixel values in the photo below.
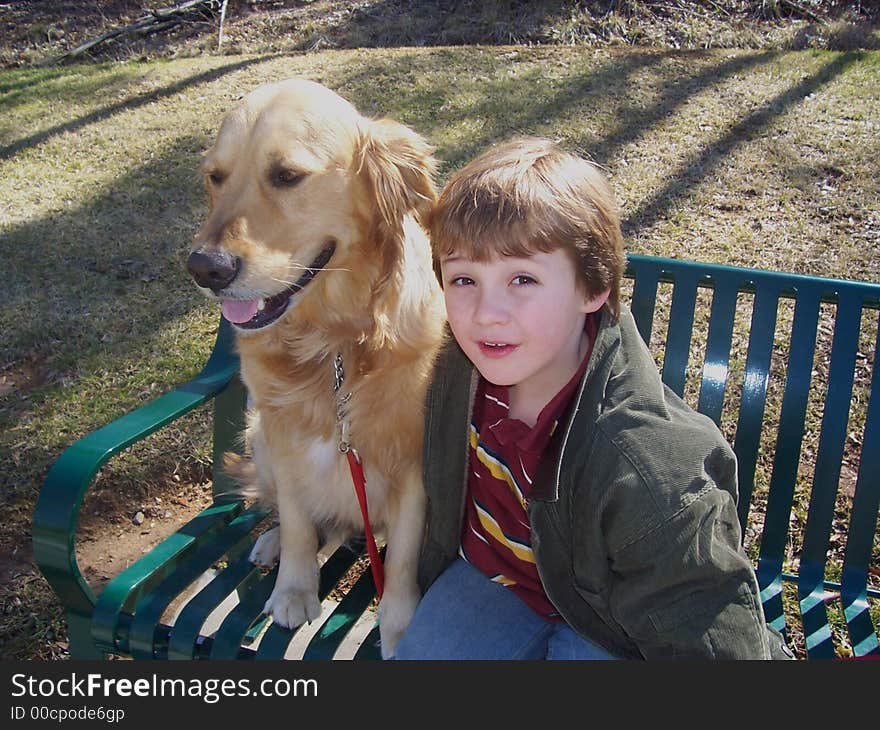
[{"x": 399, "y": 168}]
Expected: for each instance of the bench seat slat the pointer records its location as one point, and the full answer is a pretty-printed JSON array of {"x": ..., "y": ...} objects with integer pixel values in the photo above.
[
  {"x": 227, "y": 642},
  {"x": 149, "y": 610},
  {"x": 184, "y": 639},
  {"x": 274, "y": 643},
  {"x": 339, "y": 623},
  {"x": 369, "y": 649}
]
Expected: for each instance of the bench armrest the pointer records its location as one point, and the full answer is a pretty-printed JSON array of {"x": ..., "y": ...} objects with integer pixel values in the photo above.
[{"x": 57, "y": 509}]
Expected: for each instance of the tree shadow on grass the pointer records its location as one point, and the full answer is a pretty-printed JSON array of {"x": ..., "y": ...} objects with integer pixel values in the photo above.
[
  {"x": 99, "y": 115},
  {"x": 24, "y": 84},
  {"x": 502, "y": 107},
  {"x": 606, "y": 87},
  {"x": 636, "y": 121},
  {"x": 105, "y": 268},
  {"x": 702, "y": 162}
]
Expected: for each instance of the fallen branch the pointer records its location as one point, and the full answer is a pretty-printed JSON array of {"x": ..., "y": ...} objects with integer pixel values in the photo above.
[
  {"x": 771, "y": 8},
  {"x": 720, "y": 8},
  {"x": 158, "y": 20},
  {"x": 802, "y": 11}
]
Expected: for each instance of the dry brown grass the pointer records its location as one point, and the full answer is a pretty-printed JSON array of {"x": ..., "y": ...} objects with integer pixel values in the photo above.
[{"x": 36, "y": 32}]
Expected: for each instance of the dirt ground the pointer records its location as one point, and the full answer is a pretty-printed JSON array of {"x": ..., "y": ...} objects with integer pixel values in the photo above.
[{"x": 114, "y": 533}]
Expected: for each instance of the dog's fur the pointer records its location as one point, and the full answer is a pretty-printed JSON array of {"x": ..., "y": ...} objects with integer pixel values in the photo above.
[{"x": 294, "y": 168}]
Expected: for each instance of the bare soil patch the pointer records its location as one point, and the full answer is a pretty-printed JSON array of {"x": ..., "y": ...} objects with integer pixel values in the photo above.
[{"x": 114, "y": 532}]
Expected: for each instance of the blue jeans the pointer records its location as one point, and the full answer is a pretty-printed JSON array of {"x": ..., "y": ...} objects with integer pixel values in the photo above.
[{"x": 464, "y": 615}]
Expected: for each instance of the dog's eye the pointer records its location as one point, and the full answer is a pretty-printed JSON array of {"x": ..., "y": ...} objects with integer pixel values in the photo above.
[
  {"x": 283, "y": 177},
  {"x": 215, "y": 177}
]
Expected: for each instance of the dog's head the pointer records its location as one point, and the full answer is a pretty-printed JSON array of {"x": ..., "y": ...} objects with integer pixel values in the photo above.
[{"x": 309, "y": 201}]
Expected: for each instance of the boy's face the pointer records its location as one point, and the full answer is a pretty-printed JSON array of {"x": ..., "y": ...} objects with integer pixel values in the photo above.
[{"x": 520, "y": 320}]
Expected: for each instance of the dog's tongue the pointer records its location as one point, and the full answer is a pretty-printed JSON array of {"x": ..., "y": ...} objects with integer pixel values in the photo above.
[{"x": 239, "y": 310}]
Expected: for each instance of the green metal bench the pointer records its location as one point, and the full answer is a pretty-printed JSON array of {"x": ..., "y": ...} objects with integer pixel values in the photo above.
[{"x": 759, "y": 335}]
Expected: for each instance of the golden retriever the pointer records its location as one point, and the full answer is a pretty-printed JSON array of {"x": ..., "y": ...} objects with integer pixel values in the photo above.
[{"x": 314, "y": 248}]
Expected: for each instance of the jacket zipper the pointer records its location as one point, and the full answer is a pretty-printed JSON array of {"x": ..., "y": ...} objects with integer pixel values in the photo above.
[
  {"x": 568, "y": 427},
  {"x": 534, "y": 538}
]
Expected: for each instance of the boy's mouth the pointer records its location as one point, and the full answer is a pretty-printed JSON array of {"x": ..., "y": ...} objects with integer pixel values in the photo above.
[{"x": 496, "y": 349}]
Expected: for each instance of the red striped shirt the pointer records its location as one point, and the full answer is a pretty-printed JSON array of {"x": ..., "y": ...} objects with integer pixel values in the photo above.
[{"x": 504, "y": 456}]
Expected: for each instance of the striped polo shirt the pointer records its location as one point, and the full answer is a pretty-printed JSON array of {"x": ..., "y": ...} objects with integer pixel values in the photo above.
[{"x": 504, "y": 455}]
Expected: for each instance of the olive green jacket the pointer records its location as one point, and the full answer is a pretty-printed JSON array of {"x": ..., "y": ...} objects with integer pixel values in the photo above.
[{"x": 633, "y": 509}]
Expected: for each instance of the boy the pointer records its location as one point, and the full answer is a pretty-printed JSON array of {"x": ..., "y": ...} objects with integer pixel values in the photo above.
[{"x": 576, "y": 507}]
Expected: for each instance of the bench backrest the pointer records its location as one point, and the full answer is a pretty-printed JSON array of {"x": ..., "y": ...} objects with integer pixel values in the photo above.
[{"x": 809, "y": 465}]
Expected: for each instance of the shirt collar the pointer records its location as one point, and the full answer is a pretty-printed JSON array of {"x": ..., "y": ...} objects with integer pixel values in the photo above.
[{"x": 533, "y": 439}]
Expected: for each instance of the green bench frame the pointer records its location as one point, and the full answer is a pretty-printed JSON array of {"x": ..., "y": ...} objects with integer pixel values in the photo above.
[{"x": 125, "y": 619}]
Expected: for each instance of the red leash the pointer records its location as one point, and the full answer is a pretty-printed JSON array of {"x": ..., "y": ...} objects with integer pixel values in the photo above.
[{"x": 360, "y": 489}]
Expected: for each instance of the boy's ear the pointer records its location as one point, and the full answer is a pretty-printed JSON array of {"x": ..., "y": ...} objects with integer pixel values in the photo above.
[
  {"x": 595, "y": 303},
  {"x": 399, "y": 168}
]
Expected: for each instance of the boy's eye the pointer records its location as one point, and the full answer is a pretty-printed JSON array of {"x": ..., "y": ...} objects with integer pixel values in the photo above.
[
  {"x": 524, "y": 280},
  {"x": 461, "y": 281}
]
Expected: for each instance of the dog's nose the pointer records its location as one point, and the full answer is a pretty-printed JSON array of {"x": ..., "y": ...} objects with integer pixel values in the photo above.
[{"x": 213, "y": 269}]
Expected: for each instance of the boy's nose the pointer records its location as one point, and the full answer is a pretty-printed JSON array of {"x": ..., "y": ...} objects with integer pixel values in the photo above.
[{"x": 490, "y": 309}]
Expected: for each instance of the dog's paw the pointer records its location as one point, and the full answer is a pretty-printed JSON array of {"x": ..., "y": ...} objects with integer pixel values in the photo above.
[
  {"x": 395, "y": 613},
  {"x": 290, "y": 607},
  {"x": 267, "y": 548}
]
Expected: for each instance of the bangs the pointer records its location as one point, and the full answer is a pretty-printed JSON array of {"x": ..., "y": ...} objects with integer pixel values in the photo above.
[
  {"x": 493, "y": 242},
  {"x": 487, "y": 225}
]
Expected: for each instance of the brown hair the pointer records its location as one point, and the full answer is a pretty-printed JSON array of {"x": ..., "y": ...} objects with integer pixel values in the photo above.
[{"x": 528, "y": 195}]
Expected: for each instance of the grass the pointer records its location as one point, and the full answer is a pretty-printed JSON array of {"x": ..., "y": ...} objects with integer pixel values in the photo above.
[{"x": 756, "y": 158}]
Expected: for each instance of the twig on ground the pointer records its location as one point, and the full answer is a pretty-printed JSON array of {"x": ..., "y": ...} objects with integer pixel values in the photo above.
[
  {"x": 720, "y": 8},
  {"x": 802, "y": 11},
  {"x": 157, "y": 20},
  {"x": 771, "y": 8}
]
